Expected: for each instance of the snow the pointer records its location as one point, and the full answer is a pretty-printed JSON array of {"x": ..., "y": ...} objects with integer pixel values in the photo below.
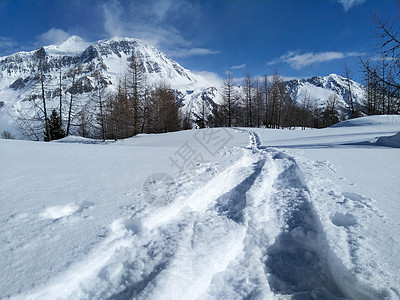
[
  {"x": 110, "y": 57},
  {"x": 56, "y": 212},
  {"x": 71, "y": 46},
  {"x": 204, "y": 214},
  {"x": 320, "y": 89},
  {"x": 389, "y": 141},
  {"x": 383, "y": 120},
  {"x": 319, "y": 94}
]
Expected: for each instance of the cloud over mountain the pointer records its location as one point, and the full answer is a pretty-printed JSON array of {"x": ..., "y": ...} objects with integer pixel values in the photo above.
[
  {"x": 53, "y": 36},
  {"x": 238, "y": 67},
  {"x": 299, "y": 60},
  {"x": 151, "y": 21}
]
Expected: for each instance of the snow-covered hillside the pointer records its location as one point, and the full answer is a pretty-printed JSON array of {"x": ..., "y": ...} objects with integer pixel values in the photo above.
[{"x": 204, "y": 214}]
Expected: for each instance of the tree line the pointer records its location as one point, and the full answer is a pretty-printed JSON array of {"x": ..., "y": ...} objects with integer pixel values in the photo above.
[
  {"x": 268, "y": 103},
  {"x": 137, "y": 107},
  {"x": 381, "y": 72},
  {"x": 134, "y": 107}
]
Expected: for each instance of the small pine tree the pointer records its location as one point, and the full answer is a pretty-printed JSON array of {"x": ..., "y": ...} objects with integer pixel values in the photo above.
[{"x": 55, "y": 130}]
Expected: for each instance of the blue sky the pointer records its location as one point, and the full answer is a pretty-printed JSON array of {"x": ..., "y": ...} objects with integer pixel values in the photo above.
[{"x": 299, "y": 38}]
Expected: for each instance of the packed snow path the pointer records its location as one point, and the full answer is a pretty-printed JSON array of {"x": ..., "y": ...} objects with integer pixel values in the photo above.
[{"x": 252, "y": 230}]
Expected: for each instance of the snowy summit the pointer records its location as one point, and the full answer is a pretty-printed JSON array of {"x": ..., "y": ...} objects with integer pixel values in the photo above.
[{"x": 72, "y": 45}]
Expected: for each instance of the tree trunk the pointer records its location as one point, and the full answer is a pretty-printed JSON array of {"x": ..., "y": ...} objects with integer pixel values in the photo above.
[
  {"x": 46, "y": 120},
  {"x": 60, "y": 87},
  {"x": 70, "y": 105}
]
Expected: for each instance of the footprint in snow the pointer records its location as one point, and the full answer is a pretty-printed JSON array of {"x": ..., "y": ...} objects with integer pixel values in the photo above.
[
  {"x": 343, "y": 220},
  {"x": 61, "y": 211},
  {"x": 362, "y": 202}
]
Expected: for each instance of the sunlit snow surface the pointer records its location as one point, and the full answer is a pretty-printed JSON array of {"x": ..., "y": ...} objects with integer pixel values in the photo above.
[{"x": 207, "y": 214}]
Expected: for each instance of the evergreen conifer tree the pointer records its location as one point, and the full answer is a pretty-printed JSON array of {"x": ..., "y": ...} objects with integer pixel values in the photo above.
[{"x": 55, "y": 130}]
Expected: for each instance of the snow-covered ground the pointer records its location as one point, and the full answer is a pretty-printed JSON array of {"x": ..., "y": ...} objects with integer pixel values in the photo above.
[{"x": 207, "y": 214}]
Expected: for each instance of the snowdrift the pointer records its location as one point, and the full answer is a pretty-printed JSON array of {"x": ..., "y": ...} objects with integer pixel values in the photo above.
[
  {"x": 389, "y": 141},
  {"x": 384, "y": 120}
]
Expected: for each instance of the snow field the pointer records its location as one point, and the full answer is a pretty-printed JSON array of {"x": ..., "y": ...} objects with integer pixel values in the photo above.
[
  {"x": 353, "y": 230},
  {"x": 252, "y": 222}
]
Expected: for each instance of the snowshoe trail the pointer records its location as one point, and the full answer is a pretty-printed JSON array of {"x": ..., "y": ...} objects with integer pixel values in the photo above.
[
  {"x": 295, "y": 263},
  {"x": 248, "y": 231}
]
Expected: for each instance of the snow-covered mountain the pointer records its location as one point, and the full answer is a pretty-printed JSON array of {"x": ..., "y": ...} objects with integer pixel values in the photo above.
[
  {"x": 109, "y": 56},
  {"x": 108, "y": 60},
  {"x": 19, "y": 79},
  {"x": 318, "y": 89}
]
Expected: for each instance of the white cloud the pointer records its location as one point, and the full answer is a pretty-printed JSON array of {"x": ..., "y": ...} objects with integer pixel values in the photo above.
[
  {"x": 159, "y": 9},
  {"x": 242, "y": 66},
  {"x": 191, "y": 52},
  {"x": 211, "y": 77},
  {"x": 7, "y": 43},
  {"x": 299, "y": 61},
  {"x": 112, "y": 11},
  {"x": 53, "y": 36},
  {"x": 148, "y": 21},
  {"x": 168, "y": 40},
  {"x": 347, "y": 4},
  {"x": 158, "y": 36}
]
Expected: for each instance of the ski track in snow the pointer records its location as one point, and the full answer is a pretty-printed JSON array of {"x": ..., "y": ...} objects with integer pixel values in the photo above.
[{"x": 250, "y": 231}]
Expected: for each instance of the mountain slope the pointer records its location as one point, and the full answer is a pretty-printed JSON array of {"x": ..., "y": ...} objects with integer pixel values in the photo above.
[
  {"x": 319, "y": 89},
  {"x": 105, "y": 60},
  {"x": 114, "y": 53}
]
